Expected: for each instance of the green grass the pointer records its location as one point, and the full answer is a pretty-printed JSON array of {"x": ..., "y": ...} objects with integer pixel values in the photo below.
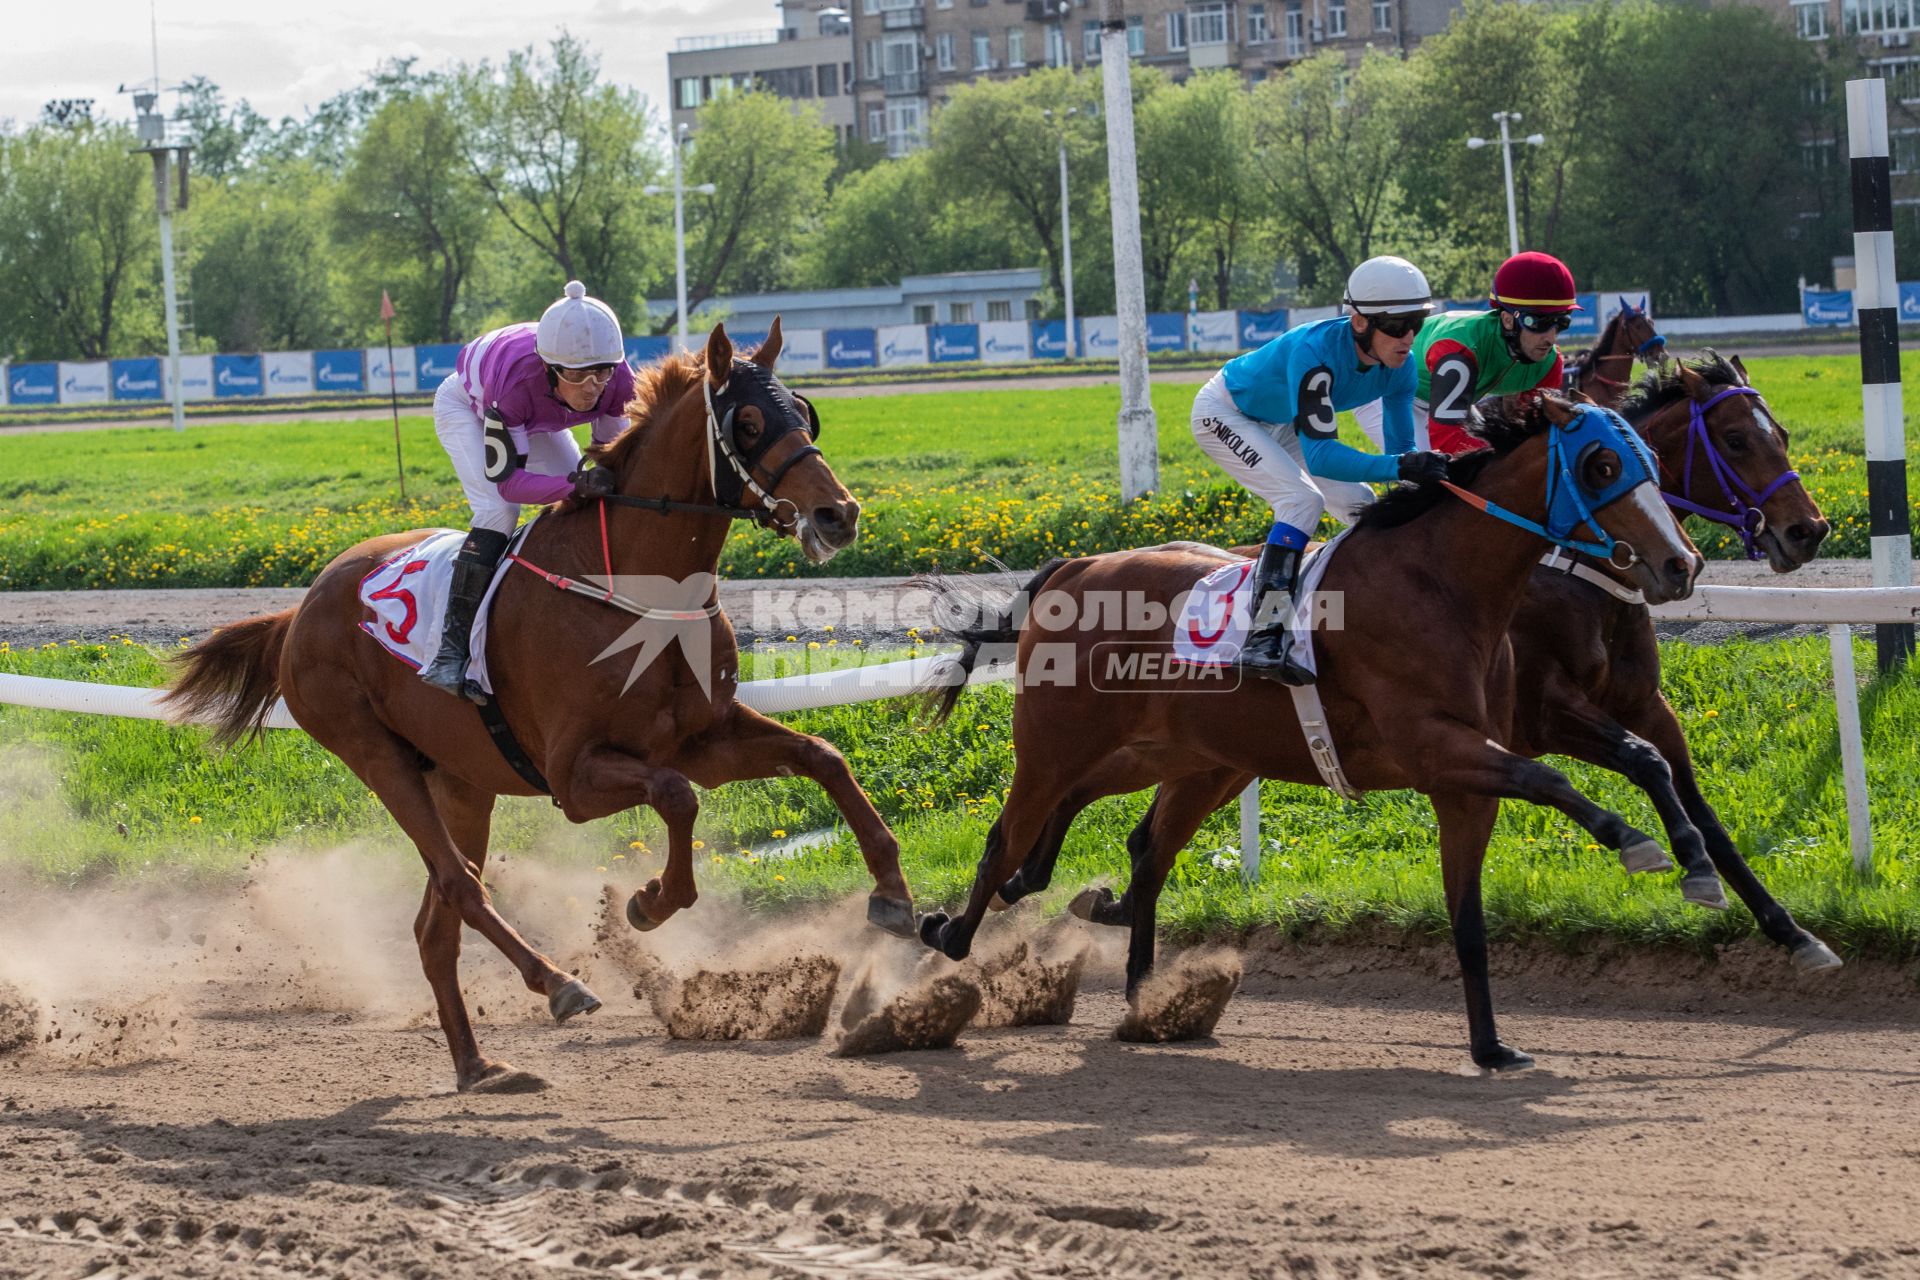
[
  {"x": 945, "y": 478},
  {"x": 1760, "y": 718}
]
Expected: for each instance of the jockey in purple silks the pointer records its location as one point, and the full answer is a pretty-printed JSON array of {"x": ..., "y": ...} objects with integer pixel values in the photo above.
[{"x": 504, "y": 415}]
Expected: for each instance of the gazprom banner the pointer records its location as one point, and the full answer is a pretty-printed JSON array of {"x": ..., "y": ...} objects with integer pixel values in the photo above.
[
  {"x": 1004, "y": 340},
  {"x": 289, "y": 373},
  {"x": 902, "y": 344},
  {"x": 1827, "y": 308},
  {"x": 1049, "y": 340},
  {"x": 84, "y": 382},
  {"x": 1166, "y": 331},
  {"x": 644, "y": 351},
  {"x": 237, "y": 376},
  {"x": 952, "y": 342},
  {"x": 33, "y": 384},
  {"x": 1258, "y": 328},
  {"x": 1910, "y": 303},
  {"x": 432, "y": 362},
  {"x": 803, "y": 351},
  {"x": 137, "y": 379},
  {"x": 850, "y": 349},
  {"x": 404, "y": 377},
  {"x": 1100, "y": 337},
  {"x": 196, "y": 377},
  {"x": 1212, "y": 331},
  {"x": 335, "y": 371}
]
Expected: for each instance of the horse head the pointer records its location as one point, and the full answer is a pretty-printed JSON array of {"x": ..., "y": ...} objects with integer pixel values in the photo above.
[
  {"x": 1723, "y": 456},
  {"x": 1637, "y": 334}
]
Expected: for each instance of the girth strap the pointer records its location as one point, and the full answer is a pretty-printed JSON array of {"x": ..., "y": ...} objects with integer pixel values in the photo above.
[
  {"x": 510, "y": 749},
  {"x": 1313, "y": 724}
]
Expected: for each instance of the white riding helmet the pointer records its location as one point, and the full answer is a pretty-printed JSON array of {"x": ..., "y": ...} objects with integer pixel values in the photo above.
[
  {"x": 1387, "y": 285},
  {"x": 578, "y": 331}
]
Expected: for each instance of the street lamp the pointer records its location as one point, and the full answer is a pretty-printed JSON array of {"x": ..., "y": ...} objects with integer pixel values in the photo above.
[
  {"x": 679, "y": 232},
  {"x": 1504, "y": 118},
  {"x": 1066, "y": 236}
]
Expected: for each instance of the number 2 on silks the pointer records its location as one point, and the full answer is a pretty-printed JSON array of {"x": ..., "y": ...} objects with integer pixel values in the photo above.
[
  {"x": 502, "y": 458},
  {"x": 396, "y": 591},
  {"x": 1315, "y": 414},
  {"x": 1451, "y": 382}
]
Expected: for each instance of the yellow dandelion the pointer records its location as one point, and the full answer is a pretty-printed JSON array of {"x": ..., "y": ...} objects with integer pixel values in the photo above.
[
  {"x": 601, "y": 870},
  {"x": 1712, "y": 714},
  {"x": 778, "y": 834},
  {"x": 619, "y": 857},
  {"x": 699, "y": 844},
  {"x": 195, "y": 820},
  {"x": 781, "y": 879},
  {"x": 636, "y": 844}
]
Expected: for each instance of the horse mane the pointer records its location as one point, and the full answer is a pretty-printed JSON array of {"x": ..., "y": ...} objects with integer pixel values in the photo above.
[
  {"x": 656, "y": 388},
  {"x": 1606, "y": 335},
  {"x": 1661, "y": 387},
  {"x": 1505, "y": 425}
]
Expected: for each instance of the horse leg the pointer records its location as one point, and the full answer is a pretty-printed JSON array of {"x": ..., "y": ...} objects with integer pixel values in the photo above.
[
  {"x": 1466, "y": 822},
  {"x": 755, "y": 747},
  {"x": 1575, "y": 727},
  {"x": 1099, "y": 906},
  {"x": 1118, "y": 774},
  {"x": 606, "y": 781},
  {"x": 1177, "y": 812},
  {"x": 1654, "y": 720},
  {"x": 389, "y": 767}
]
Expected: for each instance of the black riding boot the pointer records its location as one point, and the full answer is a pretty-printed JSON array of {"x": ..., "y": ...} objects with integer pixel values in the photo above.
[
  {"x": 1269, "y": 648},
  {"x": 473, "y": 568}
]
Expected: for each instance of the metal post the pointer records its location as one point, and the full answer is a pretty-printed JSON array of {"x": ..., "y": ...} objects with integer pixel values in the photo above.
[
  {"x": 1506, "y": 163},
  {"x": 1250, "y": 832},
  {"x": 1876, "y": 300},
  {"x": 1066, "y": 252},
  {"x": 1853, "y": 760},
  {"x": 680, "y": 239},
  {"x": 1139, "y": 433},
  {"x": 163, "y": 187}
]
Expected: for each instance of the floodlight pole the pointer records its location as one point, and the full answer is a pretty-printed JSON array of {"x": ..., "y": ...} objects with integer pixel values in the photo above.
[{"x": 677, "y": 141}]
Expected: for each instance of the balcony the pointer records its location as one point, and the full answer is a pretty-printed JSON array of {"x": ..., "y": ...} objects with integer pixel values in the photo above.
[
  {"x": 909, "y": 19},
  {"x": 1048, "y": 10},
  {"x": 903, "y": 84}
]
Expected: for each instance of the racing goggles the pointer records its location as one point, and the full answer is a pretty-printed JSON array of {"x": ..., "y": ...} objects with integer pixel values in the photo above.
[
  {"x": 592, "y": 373},
  {"x": 1544, "y": 321},
  {"x": 1398, "y": 326}
]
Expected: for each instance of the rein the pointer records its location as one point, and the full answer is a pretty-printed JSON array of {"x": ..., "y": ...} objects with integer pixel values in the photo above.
[{"x": 1748, "y": 521}]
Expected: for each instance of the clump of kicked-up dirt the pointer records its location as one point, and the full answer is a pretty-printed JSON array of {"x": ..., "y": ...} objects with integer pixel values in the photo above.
[
  {"x": 927, "y": 1011},
  {"x": 1031, "y": 984},
  {"x": 19, "y": 1019},
  {"x": 1183, "y": 1001}
]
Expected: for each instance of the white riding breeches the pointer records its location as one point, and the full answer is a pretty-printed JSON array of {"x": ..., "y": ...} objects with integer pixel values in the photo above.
[
  {"x": 554, "y": 453},
  {"x": 1266, "y": 458},
  {"x": 1369, "y": 417}
]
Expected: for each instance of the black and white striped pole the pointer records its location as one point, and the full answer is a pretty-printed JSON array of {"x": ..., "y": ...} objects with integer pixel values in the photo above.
[{"x": 1876, "y": 300}]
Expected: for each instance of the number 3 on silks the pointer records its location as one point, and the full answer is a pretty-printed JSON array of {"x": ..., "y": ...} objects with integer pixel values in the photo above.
[
  {"x": 502, "y": 458},
  {"x": 1314, "y": 416}
]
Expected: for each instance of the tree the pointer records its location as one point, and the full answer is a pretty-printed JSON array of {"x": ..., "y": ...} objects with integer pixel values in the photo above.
[
  {"x": 769, "y": 167},
  {"x": 563, "y": 157},
  {"x": 1198, "y": 185},
  {"x": 1328, "y": 149},
  {"x": 226, "y": 140},
  {"x": 79, "y": 243},
  {"x": 265, "y": 275},
  {"x": 993, "y": 146},
  {"x": 413, "y": 211}
]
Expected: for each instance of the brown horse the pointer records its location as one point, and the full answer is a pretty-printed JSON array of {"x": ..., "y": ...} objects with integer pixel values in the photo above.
[
  {"x": 1416, "y": 684},
  {"x": 705, "y": 431},
  {"x": 1604, "y": 372},
  {"x": 1586, "y": 651}
]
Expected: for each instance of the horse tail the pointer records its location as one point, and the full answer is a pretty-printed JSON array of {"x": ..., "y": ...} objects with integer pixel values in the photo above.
[
  {"x": 232, "y": 677},
  {"x": 981, "y": 618}
]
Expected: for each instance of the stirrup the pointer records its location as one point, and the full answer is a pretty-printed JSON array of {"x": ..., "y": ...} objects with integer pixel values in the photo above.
[
  {"x": 1281, "y": 666},
  {"x": 448, "y": 673}
]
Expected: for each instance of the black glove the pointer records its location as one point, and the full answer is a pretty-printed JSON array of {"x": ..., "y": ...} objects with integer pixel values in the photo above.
[
  {"x": 595, "y": 483},
  {"x": 1423, "y": 466}
]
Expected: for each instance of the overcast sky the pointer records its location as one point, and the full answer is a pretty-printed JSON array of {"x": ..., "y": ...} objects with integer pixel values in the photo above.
[{"x": 286, "y": 58}]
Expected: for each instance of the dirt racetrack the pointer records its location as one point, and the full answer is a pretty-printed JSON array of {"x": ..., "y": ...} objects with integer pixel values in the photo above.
[{"x": 258, "y": 1087}]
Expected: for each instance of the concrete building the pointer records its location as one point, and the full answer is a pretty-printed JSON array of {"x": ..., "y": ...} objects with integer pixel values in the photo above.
[
  {"x": 808, "y": 60},
  {"x": 911, "y": 53},
  {"x": 962, "y": 297}
]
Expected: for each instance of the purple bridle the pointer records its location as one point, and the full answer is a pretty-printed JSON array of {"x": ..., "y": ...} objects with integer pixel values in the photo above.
[{"x": 1748, "y": 521}]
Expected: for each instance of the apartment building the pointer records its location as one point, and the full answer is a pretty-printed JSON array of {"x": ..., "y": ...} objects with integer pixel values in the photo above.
[
  {"x": 911, "y": 53},
  {"x": 807, "y": 59}
]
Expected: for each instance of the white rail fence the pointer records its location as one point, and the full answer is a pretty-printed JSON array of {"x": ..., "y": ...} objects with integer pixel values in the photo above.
[{"x": 1835, "y": 607}]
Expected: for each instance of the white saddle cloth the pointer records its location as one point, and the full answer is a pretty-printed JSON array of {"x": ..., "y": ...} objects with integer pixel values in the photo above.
[
  {"x": 1218, "y": 613},
  {"x": 406, "y": 601}
]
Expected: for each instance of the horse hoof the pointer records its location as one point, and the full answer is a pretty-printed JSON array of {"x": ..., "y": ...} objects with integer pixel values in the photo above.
[
  {"x": 1814, "y": 956},
  {"x": 1644, "y": 856},
  {"x": 1704, "y": 891},
  {"x": 1087, "y": 900},
  {"x": 638, "y": 918},
  {"x": 895, "y": 915},
  {"x": 498, "y": 1077},
  {"x": 932, "y": 926},
  {"x": 571, "y": 999},
  {"x": 1502, "y": 1059}
]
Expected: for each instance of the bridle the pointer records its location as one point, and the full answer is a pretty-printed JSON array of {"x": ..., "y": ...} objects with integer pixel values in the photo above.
[
  {"x": 1655, "y": 345},
  {"x": 1746, "y": 519}
]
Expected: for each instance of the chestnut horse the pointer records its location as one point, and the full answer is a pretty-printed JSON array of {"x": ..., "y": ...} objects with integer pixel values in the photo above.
[
  {"x": 706, "y": 432},
  {"x": 1584, "y": 646},
  {"x": 1416, "y": 684},
  {"x": 1604, "y": 371}
]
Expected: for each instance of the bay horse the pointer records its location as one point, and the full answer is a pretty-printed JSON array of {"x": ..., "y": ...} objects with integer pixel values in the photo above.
[
  {"x": 1604, "y": 372},
  {"x": 1584, "y": 646},
  {"x": 1416, "y": 684},
  {"x": 706, "y": 432}
]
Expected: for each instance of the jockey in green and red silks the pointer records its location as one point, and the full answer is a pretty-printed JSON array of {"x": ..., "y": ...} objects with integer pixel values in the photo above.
[{"x": 505, "y": 415}]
